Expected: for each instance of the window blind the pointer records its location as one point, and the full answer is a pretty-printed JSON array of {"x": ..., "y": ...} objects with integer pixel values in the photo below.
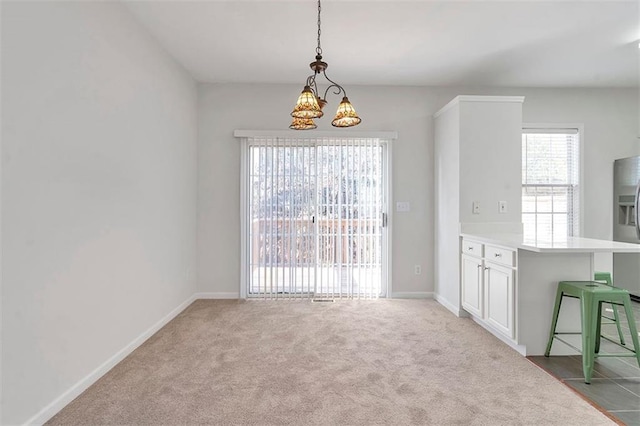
[{"x": 314, "y": 217}]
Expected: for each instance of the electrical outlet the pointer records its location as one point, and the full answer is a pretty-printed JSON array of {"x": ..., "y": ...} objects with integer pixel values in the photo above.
[
  {"x": 403, "y": 206},
  {"x": 502, "y": 206},
  {"x": 417, "y": 269},
  {"x": 476, "y": 207}
]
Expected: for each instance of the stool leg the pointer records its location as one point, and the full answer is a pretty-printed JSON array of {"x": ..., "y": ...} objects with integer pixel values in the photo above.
[
  {"x": 589, "y": 327},
  {"x": 632, "y": 327},
  {"x": 598, "y": 328},
  {"x": 616, "y": 317},
  {"x": 554, "y": 321}
]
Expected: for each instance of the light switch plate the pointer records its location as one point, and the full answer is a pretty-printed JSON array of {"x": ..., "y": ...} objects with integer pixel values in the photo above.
[
  {"x": 502, "y": 206},
  {"x": 476, "y": 207}
]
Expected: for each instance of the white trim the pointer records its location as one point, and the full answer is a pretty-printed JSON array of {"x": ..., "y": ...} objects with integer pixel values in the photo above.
[
  {"x": 412, "y": 295},
  {"x": 313, "y": 134},
  {"x": 74, "y": 391},
  {"x": 550, "y": 130},
  {"x": 483, "y": 98},
  {"x": 217, "y": 295},
  {"x": 459, "y": 312},
  {"x": 244, "y": 217},
  {"x": 521, "y": 349},
  {"x": 477, "y": 98},
  {"x": 387, "y": 261},
  {"x": 552, "y": 126}
]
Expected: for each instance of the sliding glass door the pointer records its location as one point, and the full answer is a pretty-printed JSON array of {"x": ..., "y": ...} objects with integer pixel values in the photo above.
[{"x": 316, "y": 221}]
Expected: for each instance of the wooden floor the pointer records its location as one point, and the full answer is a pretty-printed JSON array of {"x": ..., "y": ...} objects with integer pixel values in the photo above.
[{"x": 615, "y": 387}]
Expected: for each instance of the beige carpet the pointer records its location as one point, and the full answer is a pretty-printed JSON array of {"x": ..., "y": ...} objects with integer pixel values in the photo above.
[{"x": 394, "y": 362}]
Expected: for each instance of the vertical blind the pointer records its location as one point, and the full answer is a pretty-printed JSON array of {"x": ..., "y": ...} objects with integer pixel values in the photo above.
[
  {"x": 315, "y": 217},
  {"x": 550, "y": 183}
]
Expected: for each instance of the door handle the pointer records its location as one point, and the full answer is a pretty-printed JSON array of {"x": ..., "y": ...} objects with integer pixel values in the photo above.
[{"x": 637, "y": 213}]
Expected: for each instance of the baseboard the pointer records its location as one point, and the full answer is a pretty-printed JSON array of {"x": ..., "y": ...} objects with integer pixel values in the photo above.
[
  {"x": 521, "y": 349},
  {"x": 412, "y": 295},
  {"x": 217, "y": 295},
  {"x": 454, "y": 309},
  {"x": 59, "y": 403}
]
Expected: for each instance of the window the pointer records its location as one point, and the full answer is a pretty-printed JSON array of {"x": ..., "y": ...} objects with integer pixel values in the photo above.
[{"x": 550, "y": 183}]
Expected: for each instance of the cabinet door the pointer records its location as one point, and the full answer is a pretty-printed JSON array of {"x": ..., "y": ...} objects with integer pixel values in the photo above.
[
  {"x": 499, "y": 288},
  {"x": 472, "y": 293}
]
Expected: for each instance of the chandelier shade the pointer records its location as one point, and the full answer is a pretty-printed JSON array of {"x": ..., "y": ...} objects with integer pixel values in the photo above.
[
  {"x": 307, "y": 105},
  {"x": 302, "y": 124},
  {"x": 310, "y": 103},
  {"x": 346, "y": 115}
]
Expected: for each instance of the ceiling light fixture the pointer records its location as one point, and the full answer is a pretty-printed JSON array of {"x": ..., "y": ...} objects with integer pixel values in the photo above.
[{"x": 310, "y": 104}]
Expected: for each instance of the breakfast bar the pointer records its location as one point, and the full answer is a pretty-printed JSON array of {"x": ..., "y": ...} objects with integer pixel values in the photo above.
[{"x": 508, "y": 284}]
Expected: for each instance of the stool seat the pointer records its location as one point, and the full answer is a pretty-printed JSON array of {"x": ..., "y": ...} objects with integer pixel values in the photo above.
[
  {"x": 602, "y": 276},
  {"x": 578, "y": 288},
  {"x": 592, "y": 294}
]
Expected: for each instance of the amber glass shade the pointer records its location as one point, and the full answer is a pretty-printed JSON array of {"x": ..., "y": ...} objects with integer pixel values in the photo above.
[
  {"x": 307, "y": 105},
  {"x": 302, "y": 124},
  {"x": 346, "y": 115}
]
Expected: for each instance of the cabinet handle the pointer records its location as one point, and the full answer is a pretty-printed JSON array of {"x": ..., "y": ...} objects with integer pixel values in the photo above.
[
  {"x": 479, "y": 266},
  {"x": 486, "y": 268},
  {"x": 498, "y": 255},
  {"x": 470, "y": 248}
]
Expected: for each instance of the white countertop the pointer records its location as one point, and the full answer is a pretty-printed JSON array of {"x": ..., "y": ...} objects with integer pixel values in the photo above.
[{"x": 568, "y": 245}]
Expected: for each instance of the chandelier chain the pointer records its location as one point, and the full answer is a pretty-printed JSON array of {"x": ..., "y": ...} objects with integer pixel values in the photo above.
[{"x": 319, "y": 49}]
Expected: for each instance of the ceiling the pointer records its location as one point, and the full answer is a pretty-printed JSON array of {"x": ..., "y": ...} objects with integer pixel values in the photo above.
[{"x": 432, "y": 43}]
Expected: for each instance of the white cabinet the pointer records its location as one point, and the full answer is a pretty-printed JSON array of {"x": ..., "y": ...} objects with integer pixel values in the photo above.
[
  {"x": 499, "y": 283},
  {"x": 488, "y": 285},
  {"x": 472, "y": 288}
]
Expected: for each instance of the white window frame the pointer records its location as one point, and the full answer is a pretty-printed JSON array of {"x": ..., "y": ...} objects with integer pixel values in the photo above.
[
  {"x": 245, "y": 135},
  {"x": 581, "y": 144}
]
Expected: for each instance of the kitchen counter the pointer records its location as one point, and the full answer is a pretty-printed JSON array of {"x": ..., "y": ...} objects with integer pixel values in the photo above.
[
  {"x": 568, "y": 245},
  {"x": 511, "y": 282}
]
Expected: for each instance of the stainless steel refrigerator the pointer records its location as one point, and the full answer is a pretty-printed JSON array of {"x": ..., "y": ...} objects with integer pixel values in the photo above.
[{"x": 626, "y": 223}]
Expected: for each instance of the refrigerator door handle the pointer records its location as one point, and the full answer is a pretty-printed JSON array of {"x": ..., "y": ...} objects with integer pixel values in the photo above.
[{"x": 637, "y": 211}]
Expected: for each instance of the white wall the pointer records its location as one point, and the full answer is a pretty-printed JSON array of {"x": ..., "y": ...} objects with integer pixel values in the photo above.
[
  {"x": 99, "y": 187},
  {"x": 477, "y": 155},
  {"x": 490, "y": 153},
  {"x": 224, "y": 108},
  {"x": 99, "y": 183},
  {"x": 610, "y": 118},
  {"x": 447, "y": 211}
]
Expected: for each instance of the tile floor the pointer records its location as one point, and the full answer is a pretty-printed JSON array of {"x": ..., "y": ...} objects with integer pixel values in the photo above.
[{"x": 615, "y": 386}]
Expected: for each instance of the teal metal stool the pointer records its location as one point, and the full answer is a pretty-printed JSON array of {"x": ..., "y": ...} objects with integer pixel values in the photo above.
[
  {"x": 606, "y": 278},
  {"x": 592, "y": 295}
]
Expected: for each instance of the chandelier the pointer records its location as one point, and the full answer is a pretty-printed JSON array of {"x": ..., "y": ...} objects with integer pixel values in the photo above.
[{"x": 310, "y": 104}]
